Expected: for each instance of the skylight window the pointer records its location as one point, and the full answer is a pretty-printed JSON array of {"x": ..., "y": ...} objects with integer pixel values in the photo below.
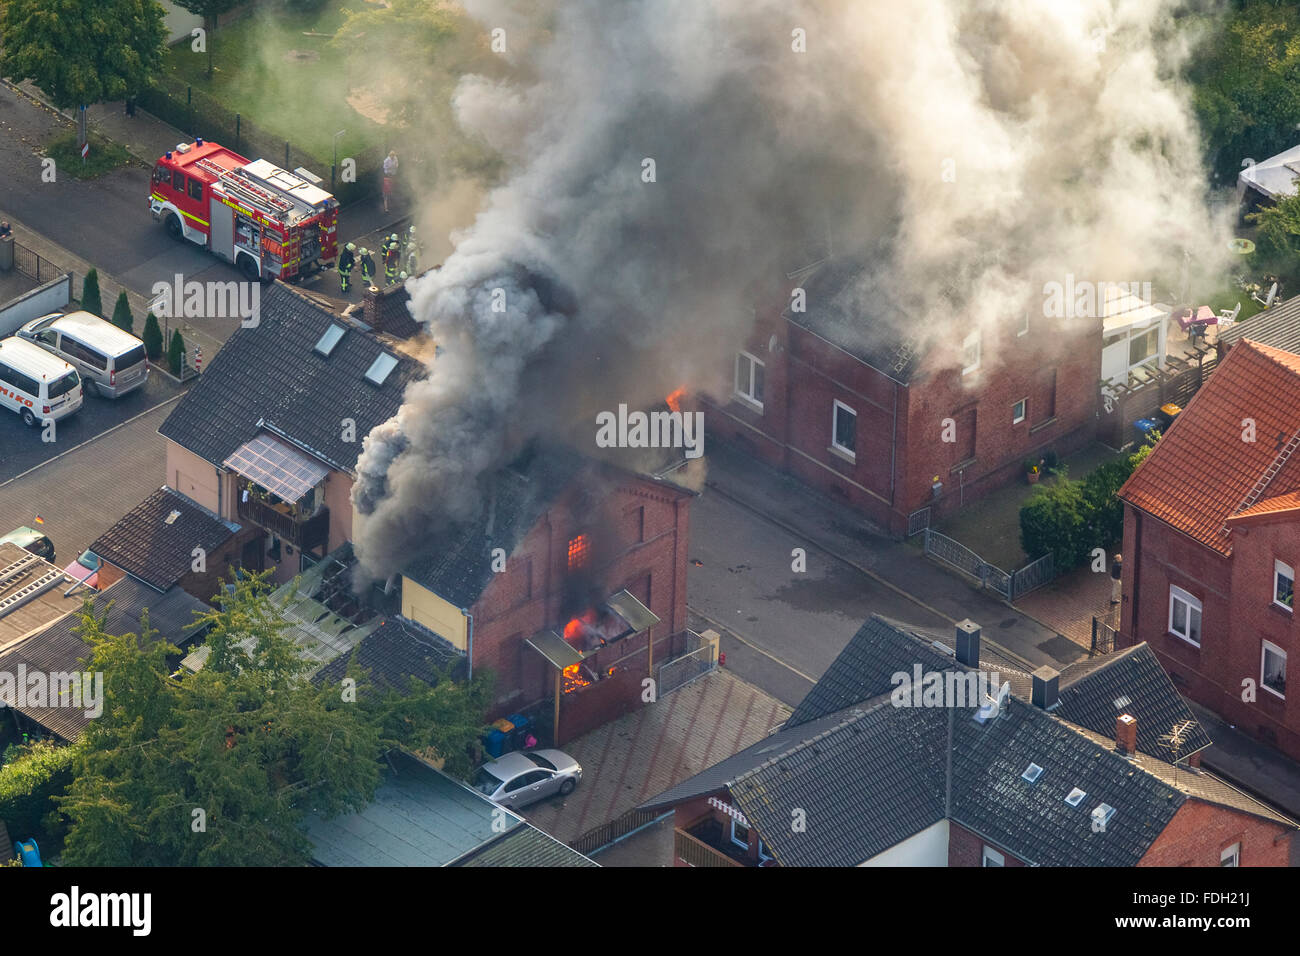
[
  {"x": 1102, "y": 813},
  {"x": 1032, "y": 773},
  {"x": 330, "y": 339},
  {"x": 1076, "y": 797},
  {"x": 171, "y": 518},
  {"x": 380, "y": 367},
  {"x": 1122, "y": 701}
]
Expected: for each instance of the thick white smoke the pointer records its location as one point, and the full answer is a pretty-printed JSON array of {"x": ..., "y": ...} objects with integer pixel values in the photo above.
[{"x": 967, "y": 150}]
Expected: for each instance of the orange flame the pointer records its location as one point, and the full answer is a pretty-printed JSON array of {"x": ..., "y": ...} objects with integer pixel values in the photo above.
[
  {"x": 573, "y": 679},
  {"x": 674, "y": 399}
]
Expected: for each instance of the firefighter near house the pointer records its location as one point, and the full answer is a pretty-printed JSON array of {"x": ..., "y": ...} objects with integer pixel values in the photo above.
[{"x": 268, "y": 222}]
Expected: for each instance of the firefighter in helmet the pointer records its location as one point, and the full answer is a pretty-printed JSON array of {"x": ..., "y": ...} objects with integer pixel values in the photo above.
[
  {"x": 367, "y": 267},
  {"x": 391, "y": 247},
  {"x": 401, "y": 277},
  {"x": 412, "y": 256},
  {"x": 346, "y": 263}
]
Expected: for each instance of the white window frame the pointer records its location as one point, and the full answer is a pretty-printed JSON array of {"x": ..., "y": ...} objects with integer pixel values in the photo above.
[
  {"x": 991, "y": 857},
  {"x": 747, "y": 395},
  {"x": 1231, "y": 856},
  {"x": 745, "y": 842},
  {"x": 1282, "y": 569},
  {"x": 1178, "y": 594},
  {"x": 762, "y": 850},
  {"x": 1023, "y": 405},
  {"x": 835, "y": 438},
  {"x": 1265, "y": 648},
  {"x": 971, "y": 340}
]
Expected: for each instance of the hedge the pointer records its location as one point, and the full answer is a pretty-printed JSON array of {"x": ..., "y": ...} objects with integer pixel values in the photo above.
[{"x": 27, "y": 784}]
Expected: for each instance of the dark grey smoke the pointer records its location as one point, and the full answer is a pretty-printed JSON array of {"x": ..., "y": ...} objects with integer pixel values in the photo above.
[{"x": 966, "y": 142}]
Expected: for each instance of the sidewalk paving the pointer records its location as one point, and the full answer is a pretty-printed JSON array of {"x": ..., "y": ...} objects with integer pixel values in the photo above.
[
  {"x": 903, "y": 567},
  {"x": 1069, "y": 603},
  {"x": 630, "y": 760}
]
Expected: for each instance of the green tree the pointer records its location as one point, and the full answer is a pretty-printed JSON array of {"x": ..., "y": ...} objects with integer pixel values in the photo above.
[
  {"x": 30, "y": 778},
  {"x": 209, "y": 10},
  {"x": 176, "y": 353},
  {"x": 90, "y": 300},
  {"x": 122, "y": 316},
  {"x": 153, "y": 337},
  {"x": 1054, "y": 520},
  {"x": 249, "y": 741},
  {"x": 81, "y": 53}
]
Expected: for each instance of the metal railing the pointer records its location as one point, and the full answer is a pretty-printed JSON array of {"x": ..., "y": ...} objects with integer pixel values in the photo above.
[
  {"x": 700, "y": 658},
  {"x": 694, "y": 852},
  {"x": 1103, "y": 637},
  {"x": 918, "y": 521},
  {"x": 35, "y": 266},
  {"x": 605, "y": 834},
  {"x": 1033, "y": 575},
  {"x": 306, "y": 533},
  {"x": 1010, "y": 585}
]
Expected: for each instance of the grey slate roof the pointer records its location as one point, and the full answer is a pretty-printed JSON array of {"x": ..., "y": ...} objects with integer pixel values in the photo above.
[
  {"x": 58, "y": 649},
  {"x": 871, "y": 774},
  {"x": 422, "y": 817},
  {"x": 458, "y": 565},
  {"x": 395, "y": 651},
  {"x": 143, "y": 544},
  {"x": 1128, "y": 682},
  {"x": 867, "y": 331},
  {"x": 271, "y": 373},
  {"x": 525, "y": 846},
  {"x": 1278, "y": 327}
]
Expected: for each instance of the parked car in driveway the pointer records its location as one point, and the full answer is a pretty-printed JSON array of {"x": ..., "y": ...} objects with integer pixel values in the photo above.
[
  {"x": 32, "y": 540},
  {"x": 85, "y": 569},
  {"x": 111, "y": 360},
  {"x": 526, "y": 776}
]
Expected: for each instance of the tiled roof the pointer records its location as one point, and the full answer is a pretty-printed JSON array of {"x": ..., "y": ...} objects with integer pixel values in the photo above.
[
  {"x": 872, "y": 774},
  {"x": 525, "y": 846},
  {"x": 1129, "y": 682},
  {"x": 145, "y": 545},
  {"x": 1278, "y": 327},
  {"x": 836, "y": 313},
  {"x": 397, "y": 650},
  {"x": 1202, "y": 471},
  {"x": 272, "y": 373},
  {"x": 1280, "y": 504},
  {"x": 59, "y": 649},
  {"x": 458, "y": 565}
]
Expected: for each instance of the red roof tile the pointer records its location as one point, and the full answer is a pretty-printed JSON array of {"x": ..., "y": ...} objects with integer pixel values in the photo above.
[
  {"x": 1203, "y": 470},
  {"x": 1270, "y": 507}
]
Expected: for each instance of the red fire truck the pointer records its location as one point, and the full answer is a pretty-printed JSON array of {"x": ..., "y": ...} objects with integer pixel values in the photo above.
[{"x": 269, "y": 222}]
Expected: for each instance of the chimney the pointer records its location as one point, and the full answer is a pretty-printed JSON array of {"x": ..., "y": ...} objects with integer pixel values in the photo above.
[
  {"x": 1126, "y": 734},
  {"x": 968, "y": 643},
  {"x": 1046, "y": 693}
]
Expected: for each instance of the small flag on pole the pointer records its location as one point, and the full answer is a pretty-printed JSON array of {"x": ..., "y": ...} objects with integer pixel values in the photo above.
[{"x": 40, "y": 520}]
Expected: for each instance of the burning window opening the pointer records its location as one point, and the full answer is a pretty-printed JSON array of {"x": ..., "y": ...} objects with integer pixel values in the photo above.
[
  {"x": 674, "y": 399},
  {"x": 621, "y": 616},
  {"x": 574, "y": 678},
  {"x": 579, "y": 552}
]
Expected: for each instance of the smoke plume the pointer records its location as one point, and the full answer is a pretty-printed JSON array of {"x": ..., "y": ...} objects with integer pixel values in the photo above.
[{"x": 966, "y": 151}]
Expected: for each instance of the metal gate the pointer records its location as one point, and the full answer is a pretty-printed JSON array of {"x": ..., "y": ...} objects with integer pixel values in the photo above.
[
  {"x": 1033, "y": 575},
  {"x": 701, "y": 658}
]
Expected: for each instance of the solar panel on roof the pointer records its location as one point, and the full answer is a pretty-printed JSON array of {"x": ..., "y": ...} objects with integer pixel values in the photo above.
[{"x": 330, "y": 339}]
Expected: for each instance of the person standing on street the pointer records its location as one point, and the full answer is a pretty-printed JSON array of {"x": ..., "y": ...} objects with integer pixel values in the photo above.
[
  {"x": 367, "y": 267},
  {"x": 346, "y": 263},
  {"x": 412, "y": 251},
  {"x": 390, "y": 174}
]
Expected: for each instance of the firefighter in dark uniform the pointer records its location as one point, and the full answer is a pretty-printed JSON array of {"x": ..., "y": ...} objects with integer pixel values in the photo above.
[
  {"x": 346, "y": 263},
  {"x": 367, "y": 267}
]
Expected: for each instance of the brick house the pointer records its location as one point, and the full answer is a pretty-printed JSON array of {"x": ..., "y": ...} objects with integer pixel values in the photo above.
[
  {"x": 565, "y": 546},
  {"x": 1212, "y": 543},
  {"x": 1067, "y": 770},
  {"x": 856, "y": 410},
  {"x": 269, "y": 438}
]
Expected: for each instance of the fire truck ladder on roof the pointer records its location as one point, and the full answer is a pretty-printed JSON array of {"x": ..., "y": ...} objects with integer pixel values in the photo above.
[
  {"x": 1253, "y": 495},
  {"x": 237, "y": 183},
  {"x": 208, "y": 165}
]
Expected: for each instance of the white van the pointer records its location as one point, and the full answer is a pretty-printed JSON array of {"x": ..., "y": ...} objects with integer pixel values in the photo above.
[
  {"x": 111, "y": 361},
  {"x": 35, "y": 384}
]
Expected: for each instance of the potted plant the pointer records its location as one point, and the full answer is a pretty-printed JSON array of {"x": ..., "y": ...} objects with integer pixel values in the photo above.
[{"x": 1032, "y": 471}]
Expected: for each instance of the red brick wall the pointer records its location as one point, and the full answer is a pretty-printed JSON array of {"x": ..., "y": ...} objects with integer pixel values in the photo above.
[
  {"x": 1200, "y": 832},
  {"x": 1237, "y": 616},
  {"x": 899, "y": 428},
  {"x": 528, "y": 596},
  {"x": 967, "y": 849}
]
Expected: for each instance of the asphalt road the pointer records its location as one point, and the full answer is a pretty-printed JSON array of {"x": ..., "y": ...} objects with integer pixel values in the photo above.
[{"x": 781, "y": 628}]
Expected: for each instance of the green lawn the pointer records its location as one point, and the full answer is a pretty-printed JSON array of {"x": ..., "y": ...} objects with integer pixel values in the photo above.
[
  {"x": 289, "y": 84},
  {"x": 104, "y": 157},
  {"x": 1229, "y": 297}
]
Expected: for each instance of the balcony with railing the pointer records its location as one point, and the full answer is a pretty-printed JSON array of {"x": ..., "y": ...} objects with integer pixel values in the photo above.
[
  {"x": 704, "y": 842},
  {"x": 301, "y": 530}
]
